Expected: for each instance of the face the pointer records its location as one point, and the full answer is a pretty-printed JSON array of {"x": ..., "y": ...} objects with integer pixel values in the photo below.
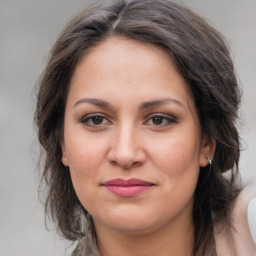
[{"x": 132, "y": 138}]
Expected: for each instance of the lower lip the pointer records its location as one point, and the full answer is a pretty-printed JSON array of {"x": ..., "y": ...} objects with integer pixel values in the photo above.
[{"x": 128, "y": 191}]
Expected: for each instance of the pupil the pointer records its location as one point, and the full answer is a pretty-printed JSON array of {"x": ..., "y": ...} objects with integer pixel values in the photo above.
[
  {"x": 97, "y": 119},
  {"x": 157, "y": 120}
]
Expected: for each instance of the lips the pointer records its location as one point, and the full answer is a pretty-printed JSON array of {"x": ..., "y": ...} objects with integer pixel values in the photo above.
[{"x": 127, "y": 188}]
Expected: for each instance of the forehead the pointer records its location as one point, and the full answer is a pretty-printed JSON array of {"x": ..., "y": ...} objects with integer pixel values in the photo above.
[{"x": 124, "y": 65}]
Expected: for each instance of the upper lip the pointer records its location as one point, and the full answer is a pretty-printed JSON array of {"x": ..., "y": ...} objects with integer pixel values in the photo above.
[{"x": 129, "y": 182}]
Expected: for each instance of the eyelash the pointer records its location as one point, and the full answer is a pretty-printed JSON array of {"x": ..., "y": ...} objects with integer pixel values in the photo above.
[
  {"x": 88, "y": 120},
  {"x": 168, "y": 120}
]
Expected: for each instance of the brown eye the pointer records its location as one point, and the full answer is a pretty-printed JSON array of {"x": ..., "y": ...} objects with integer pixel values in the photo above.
[
  {"x": 97, "y": 120},
  {"x": 161, "y": 120},
  {"x": 157, "y": 120}
]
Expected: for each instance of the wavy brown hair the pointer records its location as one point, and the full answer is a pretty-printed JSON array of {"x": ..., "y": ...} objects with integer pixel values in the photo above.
[{"x": 202, "y": 58}]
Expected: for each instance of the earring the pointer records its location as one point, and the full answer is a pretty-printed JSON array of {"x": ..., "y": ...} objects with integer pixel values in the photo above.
[{"x": 209, "y": 160}]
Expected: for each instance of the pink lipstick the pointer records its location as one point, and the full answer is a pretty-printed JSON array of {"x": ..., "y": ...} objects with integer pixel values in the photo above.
[{"x": 127, "y": 188}]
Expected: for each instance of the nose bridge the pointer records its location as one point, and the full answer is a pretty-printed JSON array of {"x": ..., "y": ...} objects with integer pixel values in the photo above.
[
  {"x": 126, "y": 150},
  {"x": 125, "y": 140}
]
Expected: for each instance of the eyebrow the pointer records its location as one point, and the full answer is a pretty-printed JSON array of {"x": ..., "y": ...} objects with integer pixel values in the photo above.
[
  {"x": 158, "y": 102},
  {"x": 104, "y": 104},
  {"x": 94, "y": 101}
]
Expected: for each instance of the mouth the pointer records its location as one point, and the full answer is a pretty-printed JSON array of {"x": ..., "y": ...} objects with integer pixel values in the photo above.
[{"x": 127, "y": 188}]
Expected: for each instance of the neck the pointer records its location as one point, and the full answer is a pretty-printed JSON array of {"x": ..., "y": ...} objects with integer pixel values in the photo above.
[{"x": 172, "y": 240}]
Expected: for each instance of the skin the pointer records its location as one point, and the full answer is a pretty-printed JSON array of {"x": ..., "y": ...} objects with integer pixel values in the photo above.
[{"x": 136, "y": 81}]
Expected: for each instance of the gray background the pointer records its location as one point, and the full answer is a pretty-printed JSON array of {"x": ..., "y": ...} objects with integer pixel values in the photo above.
[{"x": 27, "y": 31}]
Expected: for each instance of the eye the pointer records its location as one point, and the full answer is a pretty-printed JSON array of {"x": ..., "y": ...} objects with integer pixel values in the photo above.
[
  {"x": 160, "y": 120},
  {"x": 95, "y": 120}
]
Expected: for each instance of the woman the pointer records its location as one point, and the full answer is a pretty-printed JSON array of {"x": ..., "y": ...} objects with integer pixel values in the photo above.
[{"x": 136, "y": 114}]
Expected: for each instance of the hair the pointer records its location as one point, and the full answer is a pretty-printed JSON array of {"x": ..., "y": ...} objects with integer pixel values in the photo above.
[{"x": 201, "y": 56}]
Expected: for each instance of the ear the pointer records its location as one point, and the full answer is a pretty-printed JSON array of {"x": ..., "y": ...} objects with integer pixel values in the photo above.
[
  {"x": 208, "y": 146},
  {"x": 64, "y": 158}
]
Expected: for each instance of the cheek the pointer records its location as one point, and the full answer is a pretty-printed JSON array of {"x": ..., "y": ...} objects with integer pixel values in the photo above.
[
  {"x": 85, "y": 158},
  {"x": 84, "y": 151},
  {"x": 177, "y": 153},
  {"x": 180, "y": 166},
  {"x": 84, "y": 162},
  {"x": 178, "y": 159}
]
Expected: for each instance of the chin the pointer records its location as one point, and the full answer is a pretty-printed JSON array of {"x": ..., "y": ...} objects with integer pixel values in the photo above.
[{"x": 134, "y": 223}]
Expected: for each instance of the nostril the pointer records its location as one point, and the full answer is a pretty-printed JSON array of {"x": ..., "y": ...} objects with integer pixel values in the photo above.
[
  {"x": 136, "y": 163},
  {"x": 125, "y": 166},
  {"x": 114, "y": 163}
]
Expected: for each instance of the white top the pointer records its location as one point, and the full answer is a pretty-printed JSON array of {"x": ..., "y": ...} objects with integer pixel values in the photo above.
[{"x": 239, "y": 242}]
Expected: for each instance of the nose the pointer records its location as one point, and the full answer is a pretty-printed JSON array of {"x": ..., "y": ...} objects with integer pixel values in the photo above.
[{"x": 127, "y": 150}]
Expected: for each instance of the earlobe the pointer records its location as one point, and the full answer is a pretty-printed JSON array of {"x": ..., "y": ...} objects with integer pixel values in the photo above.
[
  {"x": 64, "y": 158},
  {"x": 208, "y": 147}
]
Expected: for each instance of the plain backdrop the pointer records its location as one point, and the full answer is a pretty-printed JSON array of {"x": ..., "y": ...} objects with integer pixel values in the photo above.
[{"x": 28, "y": 29}]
